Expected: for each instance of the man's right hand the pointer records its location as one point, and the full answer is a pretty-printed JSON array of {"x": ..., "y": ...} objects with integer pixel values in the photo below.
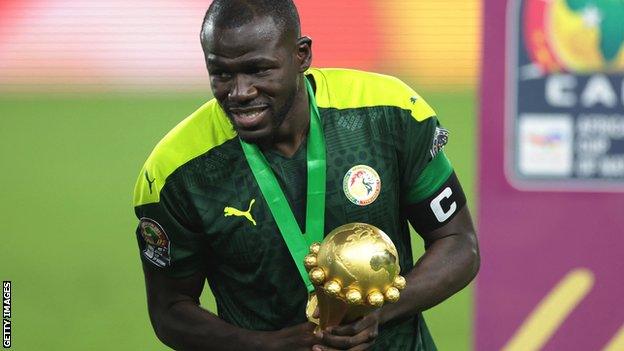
[
  {"x": 181, "y": 323},
  {"x": 296, "y": 338}
]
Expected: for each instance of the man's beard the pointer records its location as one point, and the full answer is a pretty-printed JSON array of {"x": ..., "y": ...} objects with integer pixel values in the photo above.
[
  {"x": 281, "y": 115},
  {"x": 277, "y": 120}
]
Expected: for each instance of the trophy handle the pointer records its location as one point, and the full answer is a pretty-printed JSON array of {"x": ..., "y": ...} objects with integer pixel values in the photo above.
[{"x": 311, "y": 308}]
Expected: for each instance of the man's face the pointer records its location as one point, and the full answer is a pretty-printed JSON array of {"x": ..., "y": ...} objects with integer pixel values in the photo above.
[{"x": 254, "y": 74}]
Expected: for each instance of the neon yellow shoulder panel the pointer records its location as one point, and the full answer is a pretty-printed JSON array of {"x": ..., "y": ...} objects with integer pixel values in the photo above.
[
  {"x": 203, "y": 130},
  {"x": 345, "y": 88}
]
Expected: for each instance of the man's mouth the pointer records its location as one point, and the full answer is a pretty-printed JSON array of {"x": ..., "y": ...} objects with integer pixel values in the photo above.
[{"x": 248, "y": 117}]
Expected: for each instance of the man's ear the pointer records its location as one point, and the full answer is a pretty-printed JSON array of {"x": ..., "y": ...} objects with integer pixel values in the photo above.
[{"x": 304, "y": 53}]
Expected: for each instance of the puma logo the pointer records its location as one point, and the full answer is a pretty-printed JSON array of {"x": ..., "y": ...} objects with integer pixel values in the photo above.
[
  {"x": 231, "y": 211},
  {"x": 149, "y": 182}
]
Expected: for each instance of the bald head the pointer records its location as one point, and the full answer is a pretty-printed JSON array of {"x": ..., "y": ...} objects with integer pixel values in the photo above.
[{"x": 231, "y": 14}]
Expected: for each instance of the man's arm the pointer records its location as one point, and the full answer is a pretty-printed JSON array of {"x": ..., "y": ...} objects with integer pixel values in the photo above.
[
  {"x": 450, "y": 262},
  {"x": 180, "y": 322}
]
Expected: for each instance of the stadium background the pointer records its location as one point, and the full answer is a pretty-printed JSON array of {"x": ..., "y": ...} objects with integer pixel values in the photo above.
[{"x": 86, "y": 90}]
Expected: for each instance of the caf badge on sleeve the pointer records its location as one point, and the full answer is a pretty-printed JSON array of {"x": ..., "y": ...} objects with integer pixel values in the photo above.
[{"x": 156, "y": 248}]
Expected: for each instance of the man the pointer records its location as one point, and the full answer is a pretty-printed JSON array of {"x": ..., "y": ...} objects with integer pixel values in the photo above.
[{"x": 285, "y": 152}]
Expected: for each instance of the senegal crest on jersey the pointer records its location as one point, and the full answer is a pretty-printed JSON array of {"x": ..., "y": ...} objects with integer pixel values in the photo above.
[
  {"x": 156, "y": 242},
  {"x": 361, "y": 185}
]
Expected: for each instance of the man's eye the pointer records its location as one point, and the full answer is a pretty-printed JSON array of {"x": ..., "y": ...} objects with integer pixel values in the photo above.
[
  {"x": 221, "y": 75},
  {"x": 261, "y": 71}
]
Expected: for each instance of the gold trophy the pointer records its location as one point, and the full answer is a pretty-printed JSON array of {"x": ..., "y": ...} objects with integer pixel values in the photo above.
[{"x": 355, "y": 270}]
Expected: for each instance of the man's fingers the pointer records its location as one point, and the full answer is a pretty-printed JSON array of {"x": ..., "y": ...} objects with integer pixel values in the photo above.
[
  {"x": 348, "y": 342},
  {"x": 356, "y": 336},
  {"x": 361, "y": 347},
  {"x": 355, "y": 327}
]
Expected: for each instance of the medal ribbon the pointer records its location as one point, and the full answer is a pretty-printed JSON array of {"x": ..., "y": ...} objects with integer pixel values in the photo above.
[{"x": 298, "y": 243}]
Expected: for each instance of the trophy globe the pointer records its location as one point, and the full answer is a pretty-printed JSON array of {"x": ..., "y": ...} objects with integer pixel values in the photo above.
[{"x": 355, "y": 270}]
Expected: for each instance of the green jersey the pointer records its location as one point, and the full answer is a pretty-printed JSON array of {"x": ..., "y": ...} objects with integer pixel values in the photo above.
[{"x": 200, "y": 207}]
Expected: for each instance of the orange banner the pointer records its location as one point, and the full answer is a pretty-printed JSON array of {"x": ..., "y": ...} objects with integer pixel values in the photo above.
[{"x": 147, "y": 44}]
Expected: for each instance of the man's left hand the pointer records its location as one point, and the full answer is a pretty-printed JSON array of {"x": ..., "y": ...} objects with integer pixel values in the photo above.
[{"x": 356, "y": 336}]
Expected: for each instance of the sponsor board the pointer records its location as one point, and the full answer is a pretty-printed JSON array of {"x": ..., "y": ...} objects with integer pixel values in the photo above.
[
  {"x": 565, "y": 95},
  {"x": 550, "y": 178}
]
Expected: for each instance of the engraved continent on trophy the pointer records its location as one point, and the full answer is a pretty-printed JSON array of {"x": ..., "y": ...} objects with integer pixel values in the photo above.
[{"x": 355, "y": 270}]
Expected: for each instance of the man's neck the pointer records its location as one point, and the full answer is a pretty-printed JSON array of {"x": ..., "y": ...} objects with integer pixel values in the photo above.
[{"x": 294, "y": 130}]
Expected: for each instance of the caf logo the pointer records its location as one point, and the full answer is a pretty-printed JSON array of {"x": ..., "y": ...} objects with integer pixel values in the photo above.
[
  {"x": 580, "y": 36},
  {"x": 156, "y": 248}
]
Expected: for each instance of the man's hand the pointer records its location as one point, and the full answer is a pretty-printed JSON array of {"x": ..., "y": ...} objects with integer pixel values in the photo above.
[
  {"x": 181, "y": 323},
  {"x": 356, "y": 336},
  {"x": 297, "y": 338}
]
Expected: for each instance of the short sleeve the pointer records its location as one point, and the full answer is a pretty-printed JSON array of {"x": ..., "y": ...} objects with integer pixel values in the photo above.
[
  {"x": 435, "y": 173},
  {"x": 165, "y": 233},
  {"x": 422, "y": 163},
  {"x": 431, "y": 194}
]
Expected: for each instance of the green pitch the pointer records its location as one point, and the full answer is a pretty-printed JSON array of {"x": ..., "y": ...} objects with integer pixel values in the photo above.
[{"x": 69, "y": 163}]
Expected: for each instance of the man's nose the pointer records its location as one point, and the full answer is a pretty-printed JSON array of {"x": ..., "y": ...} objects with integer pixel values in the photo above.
[{"x": 243, "y": 89}]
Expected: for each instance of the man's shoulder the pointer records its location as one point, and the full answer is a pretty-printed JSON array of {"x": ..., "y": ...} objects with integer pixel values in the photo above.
[
  {"x": 348, "y": 76},
  {"x": 347, "y": 88},
  {"x": 203, "y": 130}
]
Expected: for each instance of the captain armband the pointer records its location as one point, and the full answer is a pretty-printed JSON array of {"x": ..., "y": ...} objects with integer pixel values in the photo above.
[{"x": 439, "y": 208}]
